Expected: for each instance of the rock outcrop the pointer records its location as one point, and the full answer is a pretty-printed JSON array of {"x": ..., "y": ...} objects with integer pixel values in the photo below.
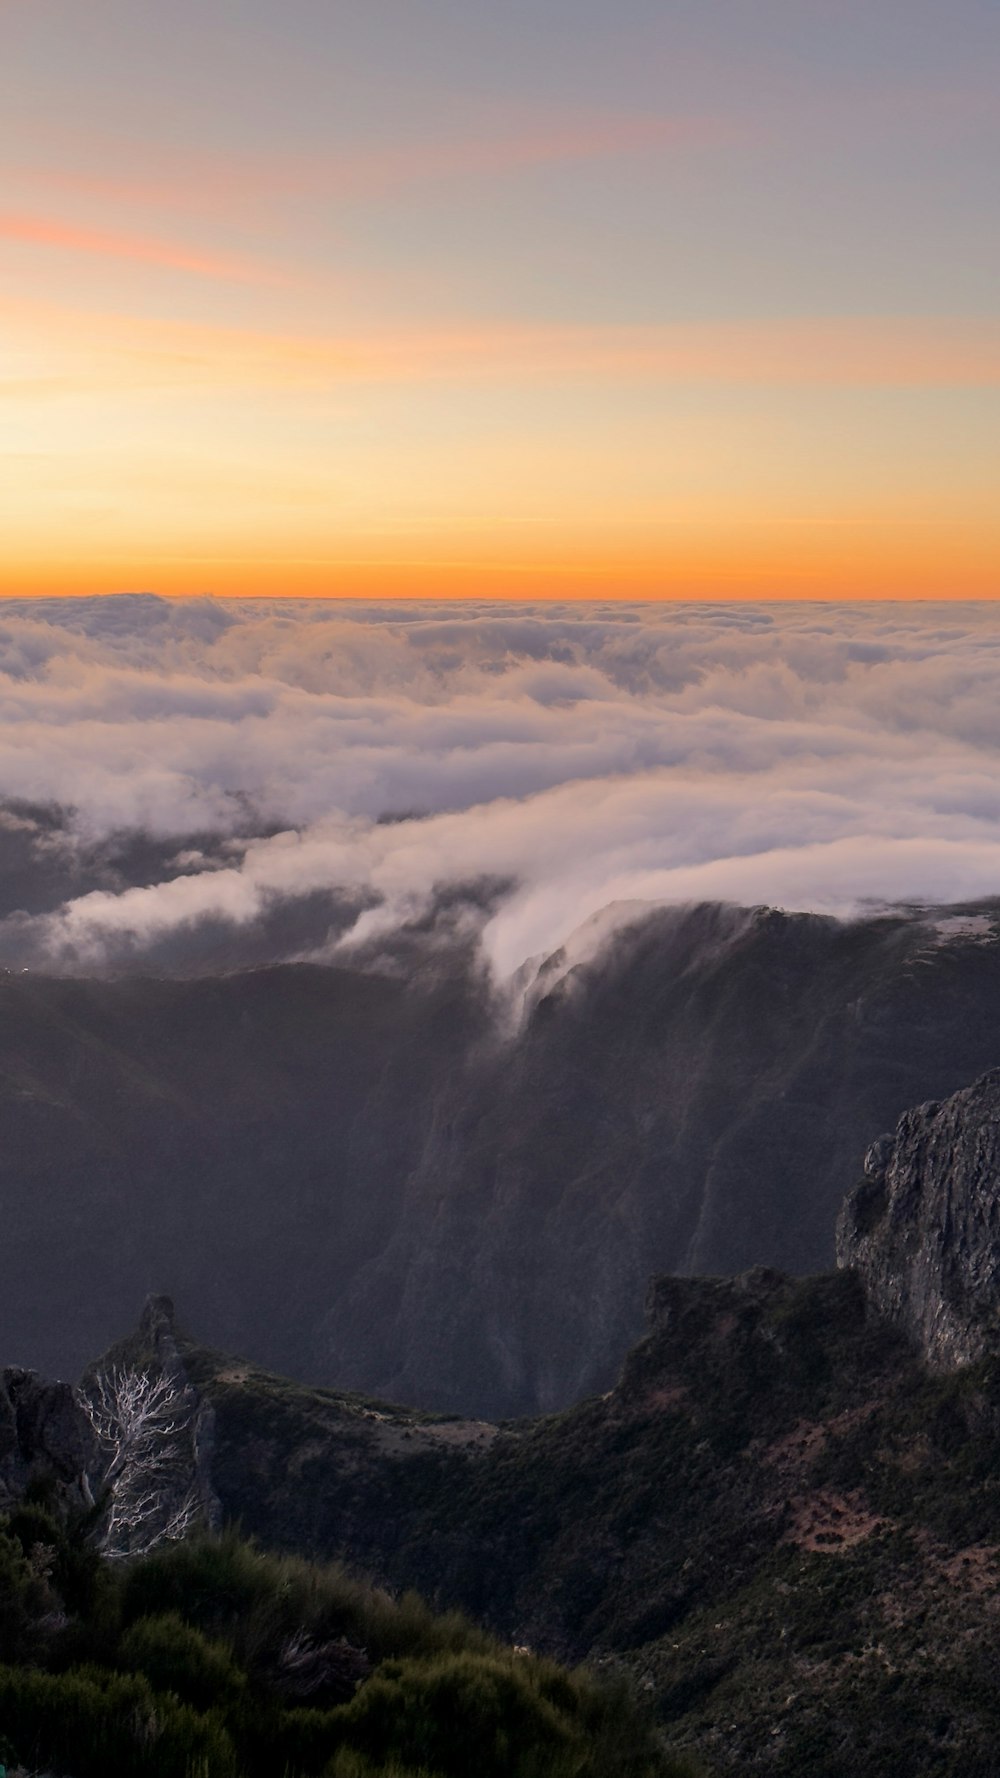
[
  {"x": 43, "y": 1434},
  {"x": 134, "y": 1441},
  {"x": 156, "y": 1434},
  {"x": 922, "y": 1228}
]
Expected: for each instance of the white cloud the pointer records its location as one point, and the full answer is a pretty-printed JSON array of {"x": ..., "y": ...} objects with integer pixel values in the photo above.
[{"x": 810, "y": 756}]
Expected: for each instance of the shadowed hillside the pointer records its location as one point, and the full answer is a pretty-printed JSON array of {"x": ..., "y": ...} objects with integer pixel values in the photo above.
[
  {"x": 784, "y": 1527},
  {"x": 354, "y": 1176}
]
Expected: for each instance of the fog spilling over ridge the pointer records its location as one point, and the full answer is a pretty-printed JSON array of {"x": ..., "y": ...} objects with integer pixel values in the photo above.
[{"x": 321, "y": 775}]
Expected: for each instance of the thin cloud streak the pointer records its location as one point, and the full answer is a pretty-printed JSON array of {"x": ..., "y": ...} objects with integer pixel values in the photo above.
[
  {"x": 43, "y": 231},
  {"x": 220, "y": 185},
  {"x": 549, "y": 143},
  {"x": 874, "y": 352}
]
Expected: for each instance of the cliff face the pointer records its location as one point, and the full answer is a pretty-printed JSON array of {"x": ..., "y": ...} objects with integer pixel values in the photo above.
[
  {"x": 361, "y": 1179},
  {"x": 696, "y": 1100},
  {"x": 923, "y": 1227}
]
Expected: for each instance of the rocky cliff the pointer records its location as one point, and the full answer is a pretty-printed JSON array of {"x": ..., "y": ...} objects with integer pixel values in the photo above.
[{"x": 922, "y": 1229}]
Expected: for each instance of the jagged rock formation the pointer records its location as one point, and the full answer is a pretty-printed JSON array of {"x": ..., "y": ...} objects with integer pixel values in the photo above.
[{"x": 922, "y": 1228}]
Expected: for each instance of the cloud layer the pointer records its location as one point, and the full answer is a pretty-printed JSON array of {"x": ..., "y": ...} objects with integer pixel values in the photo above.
[{"x": 565, "y": 757}]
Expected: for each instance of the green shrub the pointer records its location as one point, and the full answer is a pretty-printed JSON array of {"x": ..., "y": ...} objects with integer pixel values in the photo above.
[
  {"x": 26, "y": 1598},
  {"x": 93, "y": 1723},
  {"x": 464, "y": 1713},
  {"x": 73, "y": 1565},
  {"x": 225, "y": 1588},
  {"x": 177, "y": 1665},
  {"x": 212, "y": 1582},
  {"x": 176, "y": 1658}
]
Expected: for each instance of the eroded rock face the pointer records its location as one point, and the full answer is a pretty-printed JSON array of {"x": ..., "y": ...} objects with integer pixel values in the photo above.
[
  {"x": 923, "y": 1226},
  {"x": 42, "y": 1433}
]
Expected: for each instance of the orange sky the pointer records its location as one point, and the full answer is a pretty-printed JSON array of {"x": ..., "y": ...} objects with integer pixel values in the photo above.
[{"x": 680, "y": 315}]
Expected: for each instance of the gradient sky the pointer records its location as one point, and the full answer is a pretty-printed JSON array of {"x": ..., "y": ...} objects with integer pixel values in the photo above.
[{"x": 500, "y": 297}]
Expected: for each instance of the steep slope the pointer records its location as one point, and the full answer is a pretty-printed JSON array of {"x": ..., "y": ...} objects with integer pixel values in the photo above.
[
  {"x": 354, "y": 1175},
  {"x": 778, "y": 1521},
  {"x": 694, "y": 1100},
  {"x": 245, "y": 1140}
]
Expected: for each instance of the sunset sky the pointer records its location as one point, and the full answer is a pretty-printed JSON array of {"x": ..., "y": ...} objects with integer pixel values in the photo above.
[{"x": 528, "y": 298}]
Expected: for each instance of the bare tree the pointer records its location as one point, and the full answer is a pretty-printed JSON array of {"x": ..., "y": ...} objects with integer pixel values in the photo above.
[{"x": 144, "y": 1426}]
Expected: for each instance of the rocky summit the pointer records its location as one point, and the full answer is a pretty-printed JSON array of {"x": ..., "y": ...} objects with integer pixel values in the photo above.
[{"x": 922, "y": 1228}]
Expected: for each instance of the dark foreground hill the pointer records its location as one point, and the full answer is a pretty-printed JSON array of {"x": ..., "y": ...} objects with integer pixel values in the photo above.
[
  {"x": 780, "y": 1524},
  {"x": 783, "y": 1522},
  {"x": 212, "y": 1660},
  {"x": 355, "y": 1176}
]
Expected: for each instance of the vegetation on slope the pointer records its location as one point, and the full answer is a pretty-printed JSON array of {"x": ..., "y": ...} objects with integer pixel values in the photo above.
[
  {"x": 209, "y": 1659},
  {"x": 785, "y": 1528}
]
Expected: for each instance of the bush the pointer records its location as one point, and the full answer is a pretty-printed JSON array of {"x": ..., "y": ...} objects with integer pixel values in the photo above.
[
  {"x": 74, "y": 1566},
  {"x": 210, "y": 1659},
  {"x": 253, "y": 1601},
  {"x": 176, "y": 1658},
  {"x": 457, "y": 1714},
  {"x": 26, "y": 1599},
  {"x": 93, "y": 1723}
]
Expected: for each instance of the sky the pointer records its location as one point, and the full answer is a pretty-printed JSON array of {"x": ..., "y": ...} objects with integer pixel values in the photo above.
[
  {"x": 682, "y": 299},
  {"x": 314, "y": 780}
]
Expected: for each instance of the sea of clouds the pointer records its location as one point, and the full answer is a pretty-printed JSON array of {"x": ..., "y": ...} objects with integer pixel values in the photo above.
[{"x": 564, "y": 756}]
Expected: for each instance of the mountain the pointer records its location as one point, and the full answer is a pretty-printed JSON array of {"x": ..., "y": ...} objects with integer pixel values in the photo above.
[
  {"x": 779, "y": 1524},
  {"x": 782, "y": 1521},
  {"x": 370, "y": 1175}
]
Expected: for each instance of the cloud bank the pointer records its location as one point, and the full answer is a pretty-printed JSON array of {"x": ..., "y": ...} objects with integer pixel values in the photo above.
[{"x": 530, "y": 765}]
